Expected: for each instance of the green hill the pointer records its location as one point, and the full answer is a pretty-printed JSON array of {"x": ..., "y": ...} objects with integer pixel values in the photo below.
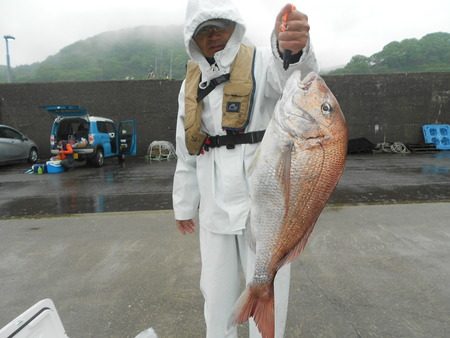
[
  {"x": 158, "y": 52},
  {"x": 431, "y": 53},
  {"x": 136, "y": 53}
]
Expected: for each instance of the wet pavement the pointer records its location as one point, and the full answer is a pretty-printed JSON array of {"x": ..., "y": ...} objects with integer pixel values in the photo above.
[
  {"x": 376, "y": 264},
  {"x": 139, "y": 185},
  {"x": 385, "y": 178},
  {"x": 134, "y": 185}
]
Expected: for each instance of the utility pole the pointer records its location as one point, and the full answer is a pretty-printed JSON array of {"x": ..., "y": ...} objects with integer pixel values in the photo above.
[
  {"x": 170, "y": 67},
  {"x": 8, "y": 62}
]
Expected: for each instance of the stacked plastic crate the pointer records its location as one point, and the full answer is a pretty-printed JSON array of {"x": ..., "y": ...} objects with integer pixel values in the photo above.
[{"x": 438, "y": 134}]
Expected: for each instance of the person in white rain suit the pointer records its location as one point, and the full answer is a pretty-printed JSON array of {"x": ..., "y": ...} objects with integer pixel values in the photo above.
[{"x": 225, "y": 103}]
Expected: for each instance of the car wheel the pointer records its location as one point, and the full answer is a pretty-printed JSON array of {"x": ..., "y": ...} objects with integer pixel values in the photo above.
[
  {"x": 33, "y": 155},
  {"x": 99, "y": 158}
]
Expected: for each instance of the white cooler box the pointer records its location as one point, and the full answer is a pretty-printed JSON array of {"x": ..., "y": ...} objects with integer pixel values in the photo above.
[{"x": 39, "y": 321}]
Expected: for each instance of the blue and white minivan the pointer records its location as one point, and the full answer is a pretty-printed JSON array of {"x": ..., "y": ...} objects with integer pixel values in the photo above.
[{"x": 92, "y": 138}]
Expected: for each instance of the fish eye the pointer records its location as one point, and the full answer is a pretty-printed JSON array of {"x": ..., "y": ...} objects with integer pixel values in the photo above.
[{"x": 326, "y": 108}]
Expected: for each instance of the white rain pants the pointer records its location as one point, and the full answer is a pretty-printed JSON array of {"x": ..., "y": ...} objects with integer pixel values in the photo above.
[{"x": 224, "y": 257}]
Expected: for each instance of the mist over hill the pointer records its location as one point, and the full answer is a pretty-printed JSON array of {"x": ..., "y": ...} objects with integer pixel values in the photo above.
[
  {"x": 135, "y": 53},
  {"x": 158, "y": 52}
]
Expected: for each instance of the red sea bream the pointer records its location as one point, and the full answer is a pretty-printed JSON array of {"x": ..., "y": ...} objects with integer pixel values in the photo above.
[{"x": 298, "y": 165}]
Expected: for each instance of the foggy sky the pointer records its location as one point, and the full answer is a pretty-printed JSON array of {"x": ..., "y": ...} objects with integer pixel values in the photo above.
[{"x": 339, "y": 28}]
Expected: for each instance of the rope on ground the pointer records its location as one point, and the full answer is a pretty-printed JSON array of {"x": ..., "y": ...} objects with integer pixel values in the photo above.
[
  {"x": 398, "y": 147},
  {"x": 395, "y": 147}
]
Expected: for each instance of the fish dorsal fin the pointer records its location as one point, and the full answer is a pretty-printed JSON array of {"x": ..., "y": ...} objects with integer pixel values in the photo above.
[{"x": 297, "y": 250}]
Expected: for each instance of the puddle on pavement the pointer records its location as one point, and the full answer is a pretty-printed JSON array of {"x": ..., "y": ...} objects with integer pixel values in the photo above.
[
  {"x": 63, "y": 205},
  {"x": 142, "y": 186},
  {"x": 77, "y": 204}
]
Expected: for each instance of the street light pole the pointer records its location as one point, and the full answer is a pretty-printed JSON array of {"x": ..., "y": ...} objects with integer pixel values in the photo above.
[
  {"x": 170, "y": 66},
  {"x": 8, "y": 61}
]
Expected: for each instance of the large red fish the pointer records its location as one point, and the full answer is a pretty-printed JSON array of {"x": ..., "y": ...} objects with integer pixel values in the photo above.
[{"x": 299, "y": 163}]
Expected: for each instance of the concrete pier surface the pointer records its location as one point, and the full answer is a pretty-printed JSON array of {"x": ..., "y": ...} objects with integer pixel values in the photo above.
[
  {"x": 102, "y": 244},
  {"x": 367, "y": 271}
]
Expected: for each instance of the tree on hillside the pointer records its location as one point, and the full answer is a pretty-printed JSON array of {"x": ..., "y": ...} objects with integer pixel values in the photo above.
[
  {"x": 118, "y": 55},
  {"x": 431, "y": 53}
]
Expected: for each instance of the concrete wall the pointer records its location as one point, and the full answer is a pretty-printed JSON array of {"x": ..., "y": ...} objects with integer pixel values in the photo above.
[
  {"x": 377, "y": 107},
  {"x": 152, "y": 103},
  {"x": 392, "y": 107}
]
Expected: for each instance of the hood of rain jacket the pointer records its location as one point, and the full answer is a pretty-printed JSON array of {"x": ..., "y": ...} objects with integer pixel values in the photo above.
[{"x": 199, "y": 11}]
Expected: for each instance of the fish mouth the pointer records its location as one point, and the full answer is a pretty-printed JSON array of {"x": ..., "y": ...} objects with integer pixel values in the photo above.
[
  {"x": 307, "y": 81},
  {"x": 305, "y": 86}
]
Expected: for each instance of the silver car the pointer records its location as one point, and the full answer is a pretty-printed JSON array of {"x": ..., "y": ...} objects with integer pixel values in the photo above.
[{"x": 16, "y": 147}]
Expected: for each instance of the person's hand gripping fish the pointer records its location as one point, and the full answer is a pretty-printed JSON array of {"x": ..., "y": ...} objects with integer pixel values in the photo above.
[{"x": 292, "y": 29}]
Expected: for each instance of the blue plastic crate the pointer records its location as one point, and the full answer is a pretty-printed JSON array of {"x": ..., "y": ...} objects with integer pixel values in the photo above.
[{"x": 438, "y": 134}]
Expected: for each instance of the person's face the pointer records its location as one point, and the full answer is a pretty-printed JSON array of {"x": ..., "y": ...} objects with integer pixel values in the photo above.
[{"x": 211, "y": 39}]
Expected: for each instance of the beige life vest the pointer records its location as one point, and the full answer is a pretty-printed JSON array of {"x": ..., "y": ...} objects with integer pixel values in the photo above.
[{"x": 237, "y": 99}]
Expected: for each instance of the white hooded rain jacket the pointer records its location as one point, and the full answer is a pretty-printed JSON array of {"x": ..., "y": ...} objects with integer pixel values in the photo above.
[{"x": 220, "y": 175}]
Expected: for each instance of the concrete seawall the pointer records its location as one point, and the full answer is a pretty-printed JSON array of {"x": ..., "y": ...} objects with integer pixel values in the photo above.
[{"x": 379, "y": 107}]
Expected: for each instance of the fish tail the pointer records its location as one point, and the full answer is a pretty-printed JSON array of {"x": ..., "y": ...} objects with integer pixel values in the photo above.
[{"x": 256, "y": 301}]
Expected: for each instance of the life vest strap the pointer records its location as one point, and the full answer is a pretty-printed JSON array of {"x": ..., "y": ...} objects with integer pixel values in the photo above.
[
  {"x": 202, "y": 93},
  {"x": 231, "y": 139}
]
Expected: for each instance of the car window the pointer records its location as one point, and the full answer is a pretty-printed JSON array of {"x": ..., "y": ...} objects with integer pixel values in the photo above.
[
  {"x": 105, "y": 127},
  {"x": 9, "y": 133},
  {"x": 101, "y": 127},
  {"x": 110, "y": 127}
]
